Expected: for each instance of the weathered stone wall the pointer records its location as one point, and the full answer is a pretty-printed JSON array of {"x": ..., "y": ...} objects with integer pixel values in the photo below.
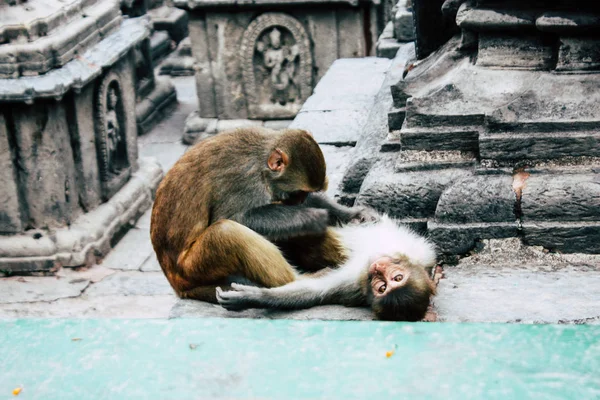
[
  {"x": 68, "y": 137},
  {"x": 321, "y": 35}
]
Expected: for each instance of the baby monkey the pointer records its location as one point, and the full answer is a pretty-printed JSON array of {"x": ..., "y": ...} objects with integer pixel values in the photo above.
[{"x": 385, "y": 268}]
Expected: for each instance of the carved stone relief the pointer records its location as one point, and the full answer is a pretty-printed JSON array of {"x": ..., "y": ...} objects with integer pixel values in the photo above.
[
  {"x": 276, "y": 66},
  {"x": 111, "y": 135}
]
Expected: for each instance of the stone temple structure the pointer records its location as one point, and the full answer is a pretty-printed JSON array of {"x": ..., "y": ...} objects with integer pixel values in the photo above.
[
  {"x": 70, "y": 173},
  {"x": 492, "y": 129},
  {"x": 261, "y": 60}
]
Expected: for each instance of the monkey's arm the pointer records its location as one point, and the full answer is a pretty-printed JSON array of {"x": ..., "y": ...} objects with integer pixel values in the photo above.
[
  {"x": 339, "y": 214},
  {"x": 336, "y": 287},
  {"x": 279, "y": 222}
]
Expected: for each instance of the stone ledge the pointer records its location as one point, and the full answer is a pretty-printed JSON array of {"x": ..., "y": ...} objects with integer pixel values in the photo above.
[
  {"x": 415, "y": 160},
  {"x": 89, "y": 236},
  {"x": 78, "y": 72},
  {"x": 180, "y": 62},
  {"x": 477, "y": 199},
  {"x": 461, "y": 238},
  {"x": 172, "y": 20},
  {"x": 202, "y": 4},
  {"x": 567, "y": 237},
  {"x": 160, "y": 46},
  {"x": 75, "y": 35},
  {"x": 150, "y": 110},
  {"x": 538, "y": 146},
  {"x": 198, "y": 128}
]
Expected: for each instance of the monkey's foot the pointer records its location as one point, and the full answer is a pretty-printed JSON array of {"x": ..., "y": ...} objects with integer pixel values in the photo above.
[{"x": 240, "y": 298}]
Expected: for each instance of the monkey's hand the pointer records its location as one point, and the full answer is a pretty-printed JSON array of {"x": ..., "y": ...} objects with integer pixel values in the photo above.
[
  {"x": 241, "y": 297},
  {"x": 363, "y": 215}
]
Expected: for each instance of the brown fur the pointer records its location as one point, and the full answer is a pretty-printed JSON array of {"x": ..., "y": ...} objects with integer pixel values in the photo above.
[
  {"x": 313, "y": 253},
  {"x": 197, "y": 245}
]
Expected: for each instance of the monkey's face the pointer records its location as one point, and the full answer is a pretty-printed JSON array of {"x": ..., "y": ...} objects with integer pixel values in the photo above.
[
  {"x": 387, "y": 275},
  {"x": 400, "y": 291}
]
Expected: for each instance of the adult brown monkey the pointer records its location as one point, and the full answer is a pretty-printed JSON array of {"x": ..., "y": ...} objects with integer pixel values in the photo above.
[
  {"x": 220, "y": 207},
  {"x": 384, "y": 268}
]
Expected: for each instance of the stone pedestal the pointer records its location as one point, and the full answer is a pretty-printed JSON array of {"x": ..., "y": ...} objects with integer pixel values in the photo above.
[
  {"x": 68, "y": 136},
  {"x": 154, "y": 97},
  {"x": 400, "y": 30},
  {"x": 496, "y": 133},
  {"x": 262, "y": 65}
]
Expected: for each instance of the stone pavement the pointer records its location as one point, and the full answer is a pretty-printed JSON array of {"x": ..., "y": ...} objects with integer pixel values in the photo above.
[{"x": 503, "y": 282}]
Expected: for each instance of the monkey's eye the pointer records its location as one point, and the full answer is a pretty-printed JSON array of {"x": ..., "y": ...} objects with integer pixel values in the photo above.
[
  {"x": 398, "y": 277},
  {"x": 382, "y": 288}
]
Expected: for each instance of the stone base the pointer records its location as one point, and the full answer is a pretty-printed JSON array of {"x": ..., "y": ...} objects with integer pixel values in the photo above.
[
  {"x": 172, "y": 20},
  {"x": 161, "y": 45},
  {"x": 198, "y": 128},
  {"x": 181, "y": 62},
  {"x": 387, "y": 46},
  {"x": 89, "y": 237},
  {"x": 154, "y": 106}
]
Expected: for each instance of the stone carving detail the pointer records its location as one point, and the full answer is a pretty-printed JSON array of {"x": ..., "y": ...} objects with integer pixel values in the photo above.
[
  {"x": 111, "y": 135},
  {"x": 276, "y": 66}
]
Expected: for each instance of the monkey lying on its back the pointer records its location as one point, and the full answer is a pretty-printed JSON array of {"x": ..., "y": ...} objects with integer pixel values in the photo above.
[{"x": 385, "y": 268}]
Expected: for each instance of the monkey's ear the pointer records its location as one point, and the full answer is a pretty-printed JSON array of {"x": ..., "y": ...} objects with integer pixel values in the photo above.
[{"x": 278, "y": 160}]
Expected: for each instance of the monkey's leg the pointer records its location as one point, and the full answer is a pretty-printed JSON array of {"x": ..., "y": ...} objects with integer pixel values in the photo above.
[
  {"x": 227, "y": 248},
  {"x": 313, "y": 253}
]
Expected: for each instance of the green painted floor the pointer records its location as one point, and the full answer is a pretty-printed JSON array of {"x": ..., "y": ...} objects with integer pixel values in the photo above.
[{"x": 261, "y": 359}]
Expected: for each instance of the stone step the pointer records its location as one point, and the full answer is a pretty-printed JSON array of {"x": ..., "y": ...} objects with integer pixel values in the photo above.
[
  {"x": 339, "y": 107},
  {"x": 419, "y": 160},
  {"x": 439, "y": 138},
  {"x": 519, "y": 293},
  {"x": 516, "y": 147}
]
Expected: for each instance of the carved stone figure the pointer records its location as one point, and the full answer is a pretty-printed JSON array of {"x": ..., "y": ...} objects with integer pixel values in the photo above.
[
  {"x": 111, "y": 135},
  {"x": 281, "y": 62},
  {"x": 277, "y": 66}
]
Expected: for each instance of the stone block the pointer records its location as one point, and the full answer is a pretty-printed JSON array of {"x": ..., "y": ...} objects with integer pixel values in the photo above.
[
  {"x": 322, "y": 27},
  {"x": 561, "y": 197},
  {"x": 155, "y": 105},
  {"x": 200, "y": 309},
  {"x": 475, "y": 199},
  {"x": 131, "y": 252},
  {"x": 10, "y": 214},
  {"x": 160, "y": 45},
  {"x": 566, "y": 237},
  {"x": 88, "y": 236},
  {"x": 278, "y": 124},
  {"x": 442, "y": 138},
  {"x": 83, "y": 134},
  {"x": 350, "y": 20},
  {"x": 204, "y": 77},
  {"x": 34, "y": 289},
  {"x": 517, "y": 293},
  {"x": 404, "y": 27},
  {"x": 151, "y": 264},
  {"x": 538, "y": 146},
  {"x": 340, "y": 127},
  {"x": 577, "y": 53},
  {"x": 131, "y": 283},
  {"x": 172, "y": 20},
  {"x": 229, "y": 124},
  {"x": 521, "y": 51},
  {"x": 415, "y": 160},
  {"x": 460, "y": 238},
  {"x": 46, "y": 158},
  {"x": 396, "y": 118},
  {"x": 406, "y": 195}
]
